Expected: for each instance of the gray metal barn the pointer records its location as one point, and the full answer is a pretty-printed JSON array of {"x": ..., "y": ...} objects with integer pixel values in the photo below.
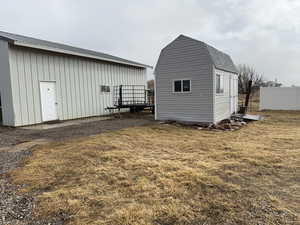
[
  {"x": 195, "y": 82},
  {"x": 43, "y": 81}
]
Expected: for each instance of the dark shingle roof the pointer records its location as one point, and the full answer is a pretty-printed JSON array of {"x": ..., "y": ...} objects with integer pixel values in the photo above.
[
  {"x": 37, "y": 43},
  {"x": 220, "y": 59}
]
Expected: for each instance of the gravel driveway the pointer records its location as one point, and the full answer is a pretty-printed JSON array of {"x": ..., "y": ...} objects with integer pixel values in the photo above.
[{"x": 16, "y": 144}]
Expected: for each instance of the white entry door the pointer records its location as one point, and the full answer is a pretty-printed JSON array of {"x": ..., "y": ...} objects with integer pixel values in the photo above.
[{"x": 48, "y": 101}]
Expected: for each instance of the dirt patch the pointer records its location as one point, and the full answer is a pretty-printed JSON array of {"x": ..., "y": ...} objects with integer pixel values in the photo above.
[
  {"x": 13, "y": 136},
  {"x": 11, "y": 156}
]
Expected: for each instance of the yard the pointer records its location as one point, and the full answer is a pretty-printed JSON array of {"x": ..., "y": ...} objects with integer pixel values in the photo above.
[{"x": 166, "y": 174}]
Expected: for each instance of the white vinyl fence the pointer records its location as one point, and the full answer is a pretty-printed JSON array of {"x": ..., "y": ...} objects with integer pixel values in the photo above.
[{"x": 280, "y": 98}]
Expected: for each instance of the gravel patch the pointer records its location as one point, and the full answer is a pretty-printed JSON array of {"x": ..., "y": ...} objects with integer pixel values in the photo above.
[
  {"x": 14, "y": 208},
  {"x": 10, "y": 136},
  {"x": 10, "y": 157}
]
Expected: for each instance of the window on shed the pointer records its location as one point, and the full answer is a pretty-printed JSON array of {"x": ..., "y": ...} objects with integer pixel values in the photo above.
[
  {"x": 219, "y": 84},
  {"x": 177, "y": 86},
  {"x": 186, "y": 84},
  {"x": 105, "y": 89},
  {"x": 182, "y": 86}
]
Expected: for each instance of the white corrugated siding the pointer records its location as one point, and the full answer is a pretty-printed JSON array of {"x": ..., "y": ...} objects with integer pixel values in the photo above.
[{"x": 78, "y": 82}]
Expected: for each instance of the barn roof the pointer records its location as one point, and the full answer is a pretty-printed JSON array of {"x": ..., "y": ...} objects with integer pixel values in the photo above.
[
  {"x": 220, "y": 59},
  {"x": 65, "y": 49}
]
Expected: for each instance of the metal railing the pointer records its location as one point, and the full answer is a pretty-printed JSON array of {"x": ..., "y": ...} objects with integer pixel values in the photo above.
[{"x": 130, "y": 95}]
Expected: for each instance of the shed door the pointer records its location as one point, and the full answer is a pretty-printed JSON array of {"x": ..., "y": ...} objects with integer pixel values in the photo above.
[
  {"x": 232, "y": 95},
  {"x": 48, "y": 101}
]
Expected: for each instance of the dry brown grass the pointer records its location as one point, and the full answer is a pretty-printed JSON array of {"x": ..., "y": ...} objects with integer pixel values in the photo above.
[{"x": 163, "y": 174}]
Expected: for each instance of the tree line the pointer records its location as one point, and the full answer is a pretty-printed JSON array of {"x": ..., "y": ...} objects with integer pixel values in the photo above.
[{"x": 247, "y": 73}]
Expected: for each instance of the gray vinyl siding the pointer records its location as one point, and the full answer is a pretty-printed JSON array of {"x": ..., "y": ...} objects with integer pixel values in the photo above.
[
  {"x": 222, "y": 101},
  {"x": 184, "y": 59},
  {"x": 78, "y": 82},
  {"x": 5, "y": 85}
]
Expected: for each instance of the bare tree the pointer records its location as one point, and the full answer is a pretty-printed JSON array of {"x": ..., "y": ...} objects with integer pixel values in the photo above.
[{"x": 247, "y": 73}]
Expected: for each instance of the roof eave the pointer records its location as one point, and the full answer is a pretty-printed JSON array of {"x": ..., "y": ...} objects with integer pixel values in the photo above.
[
  {"x": 46, "y": 48},
  {"x": 235, "y": 72},
  {"x": 11, "y": 41}
]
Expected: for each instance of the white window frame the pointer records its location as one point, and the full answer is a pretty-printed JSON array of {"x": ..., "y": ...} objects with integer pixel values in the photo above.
[
  {"x": 181, "y": 92},
  {"x": 221, "y": 84}
]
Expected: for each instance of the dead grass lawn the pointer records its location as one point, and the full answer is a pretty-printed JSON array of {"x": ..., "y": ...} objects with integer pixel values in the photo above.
[{"x": 163, "y": 174}]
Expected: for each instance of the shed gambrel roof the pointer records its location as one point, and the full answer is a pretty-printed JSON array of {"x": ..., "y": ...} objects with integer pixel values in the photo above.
[
  {"x": 30, "y": 42},
  {"x": 219, "y": 59}
]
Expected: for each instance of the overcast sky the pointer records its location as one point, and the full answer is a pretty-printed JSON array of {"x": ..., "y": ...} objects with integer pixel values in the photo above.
[{"x": 262, "y": 33}]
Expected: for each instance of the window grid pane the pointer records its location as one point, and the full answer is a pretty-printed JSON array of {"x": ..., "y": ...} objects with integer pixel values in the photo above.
[
  {"x": 186, "y": 85},
  {"x": 177, "y": 86},
  {"x": 219, "y": 84}
]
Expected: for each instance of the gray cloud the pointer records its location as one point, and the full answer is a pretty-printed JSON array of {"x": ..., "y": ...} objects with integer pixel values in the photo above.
[{"x": 264, "y": 34}]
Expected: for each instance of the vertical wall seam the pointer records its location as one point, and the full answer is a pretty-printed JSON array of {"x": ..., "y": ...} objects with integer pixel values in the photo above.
[
  {"x": 32, "y": 83},
  {"x": 25, "y": 84},
  {"x": 19, "y": 85}
]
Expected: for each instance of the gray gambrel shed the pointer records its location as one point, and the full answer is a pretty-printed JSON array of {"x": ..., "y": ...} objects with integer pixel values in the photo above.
[
  {"x": 43, "y": 81},
  {"x": 194, "y": 82}
]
